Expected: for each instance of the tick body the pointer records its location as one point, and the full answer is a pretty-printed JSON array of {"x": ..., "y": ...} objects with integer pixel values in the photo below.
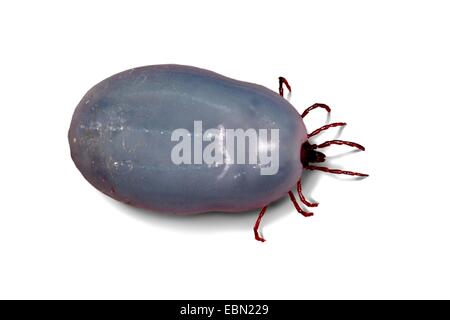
[{"x": 142, "y": 137}]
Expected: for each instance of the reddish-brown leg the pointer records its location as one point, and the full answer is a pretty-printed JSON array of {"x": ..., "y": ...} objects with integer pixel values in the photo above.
[
  {"x": 338, "y": 142},
  {"x": 256, "y": 227},
  {"x": 325, "y": 127},
  {"x": 315, "y": 106},
  {"x": 283, "y": 81},
  {"x": 297, "y": 206},
  {"x": 336, "y": 171},
  {"x": 302, "y": 197}
]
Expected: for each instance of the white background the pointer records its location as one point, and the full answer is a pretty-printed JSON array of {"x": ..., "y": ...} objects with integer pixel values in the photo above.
[{"x": 384, "y": 68}]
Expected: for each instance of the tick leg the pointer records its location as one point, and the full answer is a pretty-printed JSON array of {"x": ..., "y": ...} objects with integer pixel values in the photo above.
[
  {"x": 338, "y": 142},
  {"x": 296, "y": 205},
  {"x": 314, "y": 106},
  {"x": 336, "y": 171},
  {"x": 256, "y": 227},
  {"x": 302, "y": 197},
  {"x": 325, "y": 127},
  {"x": 282, "y": 81}
]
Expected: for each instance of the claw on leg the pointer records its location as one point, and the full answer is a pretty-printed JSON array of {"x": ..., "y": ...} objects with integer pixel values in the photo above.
[
  {"x": 326, "y": 127},
  {"x": 256, "y": 227},
  {"x": 302, "y": 197},
  {"x": 297, "y": 206},
  {"x": 283, "y": 81},
  {"x": 336, "y": 171},
  {"x": 338, "y": 142},
  {"x": 315, "y": 106}
]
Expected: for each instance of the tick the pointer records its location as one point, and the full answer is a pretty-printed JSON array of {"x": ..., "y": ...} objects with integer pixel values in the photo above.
[{"x": 185, "y": 140}]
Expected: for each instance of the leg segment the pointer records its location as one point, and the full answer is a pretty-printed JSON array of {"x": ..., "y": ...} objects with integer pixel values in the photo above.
[
  {"x": 336, "y": 171},
  {"x": 256, "y": 227},
  {"x": 281, "y": 82},
  {"x": 296, "y": 205},
  {"x": 325, "y": 127},
  {"x": 314, "y": 106},
  {"x": 302, "y": 197},
  {"x": 338, "y": 142}
]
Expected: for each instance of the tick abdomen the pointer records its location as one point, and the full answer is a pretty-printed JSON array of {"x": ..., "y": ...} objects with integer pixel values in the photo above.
[{"x": 122, "y": 140}]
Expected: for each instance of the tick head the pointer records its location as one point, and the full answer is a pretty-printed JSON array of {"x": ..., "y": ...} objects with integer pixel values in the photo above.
[{"x": 309, "y": 155}]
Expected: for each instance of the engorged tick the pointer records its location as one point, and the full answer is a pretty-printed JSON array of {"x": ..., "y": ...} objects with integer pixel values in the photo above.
[{"x": 139, "y": 137}]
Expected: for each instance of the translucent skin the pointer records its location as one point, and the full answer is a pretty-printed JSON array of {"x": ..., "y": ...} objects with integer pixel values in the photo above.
[{"x": 120, "y": 139}]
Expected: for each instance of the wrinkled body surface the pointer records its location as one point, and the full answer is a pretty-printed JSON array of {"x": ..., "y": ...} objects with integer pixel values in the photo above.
[{"x": 121, "y": 139}]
